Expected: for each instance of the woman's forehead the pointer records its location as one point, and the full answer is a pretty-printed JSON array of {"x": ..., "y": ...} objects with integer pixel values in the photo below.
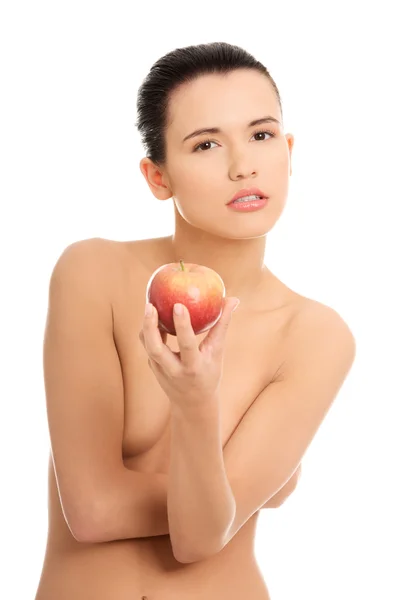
[{"x": 218, "y": 100}]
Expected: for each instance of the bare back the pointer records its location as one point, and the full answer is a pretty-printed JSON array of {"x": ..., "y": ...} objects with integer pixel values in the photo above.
[{"x": 133, "y": 569}]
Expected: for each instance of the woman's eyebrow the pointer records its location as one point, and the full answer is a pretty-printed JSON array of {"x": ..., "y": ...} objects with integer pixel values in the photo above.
[{"x": 268, "y": 119}]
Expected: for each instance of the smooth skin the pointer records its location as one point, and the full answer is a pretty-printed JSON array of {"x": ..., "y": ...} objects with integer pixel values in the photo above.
[
  {"x": 146, "y": 500},
  {"x": 194, "y": 373},
  {"x": 202, "y": 180}
]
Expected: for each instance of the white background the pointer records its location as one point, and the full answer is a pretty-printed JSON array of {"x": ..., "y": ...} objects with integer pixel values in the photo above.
[{"x": 70, "y": 170}]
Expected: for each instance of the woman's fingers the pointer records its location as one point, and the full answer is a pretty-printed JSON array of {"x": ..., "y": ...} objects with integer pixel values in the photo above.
[
  {"x": 189, "y": 356},
  {"x": 154, "y": 342},
  {"x": 215, "y": 339},
  {"x": 186, "y": 337}
]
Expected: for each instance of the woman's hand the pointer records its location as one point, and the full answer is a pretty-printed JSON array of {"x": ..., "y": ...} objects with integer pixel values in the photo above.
[{"x": 191, "y": 376}]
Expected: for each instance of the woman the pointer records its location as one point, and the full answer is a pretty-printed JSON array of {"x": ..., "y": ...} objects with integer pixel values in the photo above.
[{"x": 161, "y": 460}]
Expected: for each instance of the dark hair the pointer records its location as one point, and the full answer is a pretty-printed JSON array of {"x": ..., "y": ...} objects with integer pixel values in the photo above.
[{"x": 183, "y": 65}]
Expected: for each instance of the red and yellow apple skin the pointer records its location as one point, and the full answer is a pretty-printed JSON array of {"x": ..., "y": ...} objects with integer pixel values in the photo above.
[{"x": 199, "y": 288}]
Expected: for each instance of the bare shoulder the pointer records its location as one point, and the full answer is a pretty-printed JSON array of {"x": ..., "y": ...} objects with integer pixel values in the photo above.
[
  {"x": 314, "y": 316},
  {"x": 318, "y": 334},
  {"x": 107, "y": 257},
  {"x": 97, "y": 247},
  {"x": 143, "y": 254},
  {"x": 93, "y": 264},
  {"x": 117, "y": 268}
]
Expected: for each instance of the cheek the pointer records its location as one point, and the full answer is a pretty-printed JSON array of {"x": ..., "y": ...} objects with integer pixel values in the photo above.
[
  {"x": 279, "y": 168},
  {"x": 196, "y": 184},
  {"x": 198, "y": 199},
  {"x": 284, "y": 169},
  {"x": 284, "y": 157},
  {"x": 197, "y": 170}
]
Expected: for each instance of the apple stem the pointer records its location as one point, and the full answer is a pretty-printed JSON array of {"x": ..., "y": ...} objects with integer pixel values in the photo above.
[{"x": 182, "y": 266}]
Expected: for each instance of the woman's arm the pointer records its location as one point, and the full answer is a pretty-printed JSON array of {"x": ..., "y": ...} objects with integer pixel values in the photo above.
[
  {"x": 102, "y": 499},
  {"x": 149, "y": 500},
  {"x": 285, "y": 491},
  {"x": 136, "y": 507}
]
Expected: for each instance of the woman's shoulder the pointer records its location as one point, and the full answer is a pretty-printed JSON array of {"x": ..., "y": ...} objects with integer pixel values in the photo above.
[
  {"x": 315, "y": 316},
  {"x": 111, "y": 271},
  {"x": 304, "y": 314},
  {"x": 122, "y": 268},
  {"x": 122, "y": 253}
]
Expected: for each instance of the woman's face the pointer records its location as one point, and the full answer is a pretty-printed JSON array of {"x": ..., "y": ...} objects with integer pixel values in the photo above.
[{"x": 203, "y": 177}]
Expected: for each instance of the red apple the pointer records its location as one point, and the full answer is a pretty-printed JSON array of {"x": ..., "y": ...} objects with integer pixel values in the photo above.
[{"x": 199, "y": 288}]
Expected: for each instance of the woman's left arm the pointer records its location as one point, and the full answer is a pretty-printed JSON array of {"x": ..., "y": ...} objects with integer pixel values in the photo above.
[
  {"x": 213, "y": 491},
  {"x": 200, "y": 502}
]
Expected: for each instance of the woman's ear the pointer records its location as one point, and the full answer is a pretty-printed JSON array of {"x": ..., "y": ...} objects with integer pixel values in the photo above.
[
  {"x": 290, "y": 142},
  {"x": 156, "y": 179}
]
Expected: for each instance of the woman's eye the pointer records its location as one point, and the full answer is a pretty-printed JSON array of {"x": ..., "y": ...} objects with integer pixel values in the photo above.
[
  {"x": 203, "y": 144},
  {"x": 263, "y": 133},
  {"x": 200, "y": 147}
]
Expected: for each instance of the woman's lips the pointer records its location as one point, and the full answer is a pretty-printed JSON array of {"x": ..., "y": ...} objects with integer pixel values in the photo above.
[
  {"x": 248, "y": 192},
  {"x": 248, "y": 205}
]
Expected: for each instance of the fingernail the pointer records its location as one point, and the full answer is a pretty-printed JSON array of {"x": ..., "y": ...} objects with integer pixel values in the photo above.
[
  {"x": 148, "y": 310},
  {"x": 236, "y": 305},
  {"x": 178, "y": 309}
]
